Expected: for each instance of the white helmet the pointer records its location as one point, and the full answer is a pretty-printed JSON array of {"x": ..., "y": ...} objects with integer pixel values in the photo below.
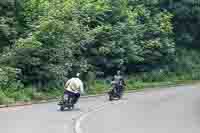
[{"x": 78, "y": 74}]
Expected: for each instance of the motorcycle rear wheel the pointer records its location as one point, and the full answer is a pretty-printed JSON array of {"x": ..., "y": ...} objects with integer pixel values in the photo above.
[
  {"x": 110, "y": 97},
  {"x": 62, "y": 108}
]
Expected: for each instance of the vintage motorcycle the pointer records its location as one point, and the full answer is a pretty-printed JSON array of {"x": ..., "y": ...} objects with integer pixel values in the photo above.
[
  {"x": 116, "y": 92},
  {"x": 66, "y": 102}
]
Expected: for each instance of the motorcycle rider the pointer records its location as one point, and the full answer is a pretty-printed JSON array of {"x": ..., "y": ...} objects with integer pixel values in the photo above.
[
  {"x": 74, "y": 87},
  {"x": 118, "y": 83}
]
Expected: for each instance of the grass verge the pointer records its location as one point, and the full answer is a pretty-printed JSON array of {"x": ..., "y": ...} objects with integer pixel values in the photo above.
[{"x": 99, "y": 87}]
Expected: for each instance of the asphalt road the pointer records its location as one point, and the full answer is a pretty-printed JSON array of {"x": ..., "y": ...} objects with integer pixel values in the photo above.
[{"x": 169, "y": 110}]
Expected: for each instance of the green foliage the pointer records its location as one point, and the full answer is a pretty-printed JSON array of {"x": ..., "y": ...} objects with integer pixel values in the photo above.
[
  {"x": 9, "y": 78},
  {"x": 187, "y": 61},
  {"x": 4, "y": 99},
  {"x": 28, "y": 43},
  {"x": 130, "y": 35},
  {"x": 18, "y": 95},
  {"x": 8, "y": 30},
  {"x": 186, "y": 20},
  {"x": 50, "y": 40},
  {"x": 86, "y": 35},
  {"x": 99, "y": 87}
]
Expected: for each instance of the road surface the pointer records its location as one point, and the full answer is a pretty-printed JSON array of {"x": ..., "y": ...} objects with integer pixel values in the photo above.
[{"x": 169, "y": 110}]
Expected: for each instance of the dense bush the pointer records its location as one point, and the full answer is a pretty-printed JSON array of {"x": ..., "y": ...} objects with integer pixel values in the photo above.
[
  {"x": 50, "y": 40},
  {"x": 7, "y": 24},
  {"x": 186, "y": 20},
  {"x": 4, "y": 99},
  {"x": 9, "y": 78},
  {"x": 86, "y": 35}
]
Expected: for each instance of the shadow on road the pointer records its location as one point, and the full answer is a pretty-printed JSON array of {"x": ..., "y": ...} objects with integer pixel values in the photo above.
[{"x": 70, "y": 110}]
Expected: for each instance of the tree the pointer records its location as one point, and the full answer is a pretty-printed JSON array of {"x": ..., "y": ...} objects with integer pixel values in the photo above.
[
  {"x": 186, "y": 21},
  {"x": 64, "y": 36},
  {"x": 8, "y": 31}
]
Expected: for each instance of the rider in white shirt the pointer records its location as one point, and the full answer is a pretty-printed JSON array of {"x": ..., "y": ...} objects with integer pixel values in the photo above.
[{"x": 74, "y": 87}]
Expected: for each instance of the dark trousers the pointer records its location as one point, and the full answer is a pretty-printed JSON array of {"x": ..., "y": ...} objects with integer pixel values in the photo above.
[
  {"x": 119, "y": 89},
  {"x": 74, "y": 96}
]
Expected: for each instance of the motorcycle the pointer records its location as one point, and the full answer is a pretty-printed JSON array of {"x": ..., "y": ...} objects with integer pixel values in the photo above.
[
  {"x": 66, "y": 102},
  {"x": 115, "y": 93}
]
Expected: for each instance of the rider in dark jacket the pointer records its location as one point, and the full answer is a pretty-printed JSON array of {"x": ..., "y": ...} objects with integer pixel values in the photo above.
[{"x": 118, "y": 83}]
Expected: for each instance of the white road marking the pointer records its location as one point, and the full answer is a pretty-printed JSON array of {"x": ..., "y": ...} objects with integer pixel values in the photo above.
[{"x": 78, "y": 121}]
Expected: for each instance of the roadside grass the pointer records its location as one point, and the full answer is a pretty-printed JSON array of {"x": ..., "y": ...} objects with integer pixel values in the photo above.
[
  {"x": 10, "y": 96},
  {"x": 4, "y": 99},
  {"x": 99, "y": 86},
  {"x": 148, "y": 80},
  {"x": 133, "y": 82}
]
